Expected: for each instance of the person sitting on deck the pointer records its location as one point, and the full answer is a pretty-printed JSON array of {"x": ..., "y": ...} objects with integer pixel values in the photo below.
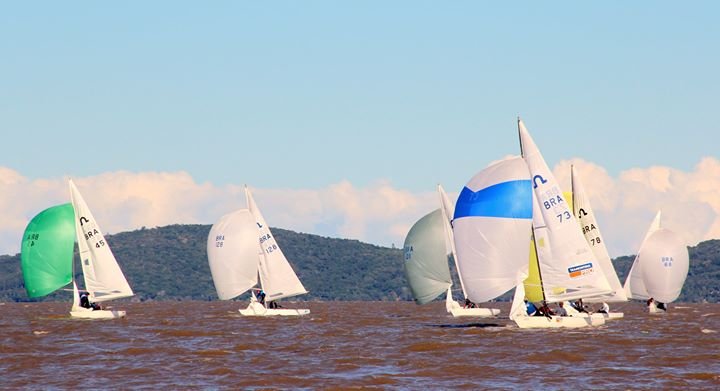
[
  {"x": 85, "y": 301},
  {"x": 579, "y": 307},
  {"x": 605, "y": 309},
  {"x": 469, "y": 304},
  {"x": 544, "y": 310},
  {"x": 261, "y": 297},
  {"x": 561, "y": 311},
  {"x": 530, "y": 308},
  {"x": 661, "y": 306}
]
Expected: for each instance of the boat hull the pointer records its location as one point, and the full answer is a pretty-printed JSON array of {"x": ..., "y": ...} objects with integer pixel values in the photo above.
[
  {"x": 553, "y": 322},
  {"x": 85, "y": 313},
  {"x": 475, "y": 312},
  {"x": 257, "y": 309}
]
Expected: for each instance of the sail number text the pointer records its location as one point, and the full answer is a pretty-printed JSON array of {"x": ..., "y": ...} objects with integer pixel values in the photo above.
[{"x": 219, "y": 240}]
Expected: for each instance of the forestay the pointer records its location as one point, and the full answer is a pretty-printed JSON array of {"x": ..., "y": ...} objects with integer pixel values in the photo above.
[
  {"x": 491, "y": 228},
  {"x": 232, "y": 248},
  {"x": 586, "y": 217},
  {"x": 568, "y": 268},
  {"x": 426, "y": 258},
  {"x": 103, "y": 278},
  {"x": 448, "y": 211},
  {"x": 276, "y": 275}
]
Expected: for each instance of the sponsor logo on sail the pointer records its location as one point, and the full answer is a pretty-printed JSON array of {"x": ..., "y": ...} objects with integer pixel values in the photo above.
[{"x": 580, "y": 270}]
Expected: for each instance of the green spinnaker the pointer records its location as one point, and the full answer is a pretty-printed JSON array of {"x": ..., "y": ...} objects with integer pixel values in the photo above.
[{"x": 47, "y": 250}]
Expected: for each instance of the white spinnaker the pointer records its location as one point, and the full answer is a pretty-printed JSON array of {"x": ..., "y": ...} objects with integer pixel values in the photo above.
[
  {"x": 568, "y": 267},
  {"x": 447, "y": 213},
  {"x": 103, "y": 278},
  {"x": 426, "y": 258},
  {"x": 665, "y": 263},
  {"x": 276, "y": 275},
  {"x": 634, "y": 285},
  {"x": 491, "y": 228},
  {"x": 232, "y": 248},
  {"x": 590, "y": 228}
]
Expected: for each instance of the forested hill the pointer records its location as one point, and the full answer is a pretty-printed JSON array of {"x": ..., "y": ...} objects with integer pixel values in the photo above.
[{"x": 170, "y": 263}]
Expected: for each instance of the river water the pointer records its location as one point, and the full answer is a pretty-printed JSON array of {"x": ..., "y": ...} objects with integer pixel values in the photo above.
[{"x": 208, "y": 345}]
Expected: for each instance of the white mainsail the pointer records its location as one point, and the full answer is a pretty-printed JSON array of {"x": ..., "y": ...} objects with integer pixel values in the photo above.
[
  {"x": 568, "y": 267},
  {"x": 491, "y": 229},
  {"x": 590, "y": 228},
  {"x": 426, "y": 258},
  {"x": 277, "y": 277},
  {"x": 634, "y": 285},
  {"x": 232, "y": 248},
  {"x": 103, "y": 278}
]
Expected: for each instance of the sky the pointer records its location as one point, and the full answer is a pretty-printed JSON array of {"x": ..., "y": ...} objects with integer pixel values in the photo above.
[{"x": 343, "y": 116}]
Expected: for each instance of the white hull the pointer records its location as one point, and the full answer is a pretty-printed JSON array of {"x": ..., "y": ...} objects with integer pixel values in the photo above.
[
  {"x": 86, "y": 313},
  {"x": 475, "y": 312},
  {"x": 614, "y": 315},
  {"x": 257, "y": 309},
  {"x": 553, "y": 322}
]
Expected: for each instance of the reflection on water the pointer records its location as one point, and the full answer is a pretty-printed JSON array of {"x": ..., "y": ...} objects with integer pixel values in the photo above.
[{"x": 352, "y": 344}]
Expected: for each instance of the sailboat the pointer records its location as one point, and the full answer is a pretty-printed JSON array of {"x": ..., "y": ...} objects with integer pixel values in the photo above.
[
  {"x": 566, "y": 266},
  {"x": 241, "y": 251},
  {"x": 660, "y": 267},
  {"x": 47, "y": 252},
  {"x": 427, "y": 249},
  {"x": 591, "y": 230}
]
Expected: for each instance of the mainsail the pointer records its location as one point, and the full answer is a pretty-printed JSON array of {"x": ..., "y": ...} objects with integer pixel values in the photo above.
[
  {"x": 276, "y": 275},
  {"x": 568, "y": 268},
  {"x": 586, "y": 217},
  {"x": 103, "y": 278},
  {"x": 634, "y": 285}
]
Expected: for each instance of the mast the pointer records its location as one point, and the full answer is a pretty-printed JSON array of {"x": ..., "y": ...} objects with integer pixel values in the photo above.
[{"x": 537, "y": 254}]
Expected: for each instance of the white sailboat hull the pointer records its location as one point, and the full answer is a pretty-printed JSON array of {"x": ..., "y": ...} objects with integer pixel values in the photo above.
[
  {"x": 475, "y": 312},
  {"x": 257, "y": 309},
  {"x": 554, "y": 322},
  {"x": 87, "y": 313}
]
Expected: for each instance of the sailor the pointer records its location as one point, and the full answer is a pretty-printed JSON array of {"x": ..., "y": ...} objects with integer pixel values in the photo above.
[
  {"x": 85, "y": 300},
  {"x": 469, "y": 304},
  {"x": 261, "y": 297},
  {"x": 530, "y": 308},
  {"x": 661, "y": 306},
  {"x": 561, "y": 311},
  {"x": 605, "y": 309}
]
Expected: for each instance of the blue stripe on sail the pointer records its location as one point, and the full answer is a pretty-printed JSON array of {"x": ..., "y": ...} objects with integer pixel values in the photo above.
[{"x": 511, "y": 199}]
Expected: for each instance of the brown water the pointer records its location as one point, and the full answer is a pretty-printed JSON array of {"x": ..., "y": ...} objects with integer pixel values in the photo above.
[{"x": 208, "y": 345}]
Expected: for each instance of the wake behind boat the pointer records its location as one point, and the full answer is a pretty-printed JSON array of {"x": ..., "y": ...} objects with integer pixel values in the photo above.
[{"x": 241, "y": 251}]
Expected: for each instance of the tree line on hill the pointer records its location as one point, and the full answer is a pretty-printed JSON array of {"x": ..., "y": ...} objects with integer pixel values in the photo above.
[{"x": 170, "y": 263}]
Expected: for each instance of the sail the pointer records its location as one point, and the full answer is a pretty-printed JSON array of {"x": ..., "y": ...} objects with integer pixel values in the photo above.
[
  {"x": 591, "y": 230},
  {"x": 665, "y": 264},
  {"x": 447, "y": 213},
  {"x": 568, "y": 268},
  {"x": 103, "y": 278},
  {"x": 46, "y": 253},
  {"x": 426, "y": 258},
  {"x": 634, "y": 285},
  {"x": 276, "y": 275},
  {"x": 491, "y": 228},
  {"x": 232, "y": 249}
]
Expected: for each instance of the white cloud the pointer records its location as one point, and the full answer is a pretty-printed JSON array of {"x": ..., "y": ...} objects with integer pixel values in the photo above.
[{"x": 378, "y": 213}]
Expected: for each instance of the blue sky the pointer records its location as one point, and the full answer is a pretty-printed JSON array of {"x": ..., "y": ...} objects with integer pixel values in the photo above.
[{"x": 305, "y": 95}]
